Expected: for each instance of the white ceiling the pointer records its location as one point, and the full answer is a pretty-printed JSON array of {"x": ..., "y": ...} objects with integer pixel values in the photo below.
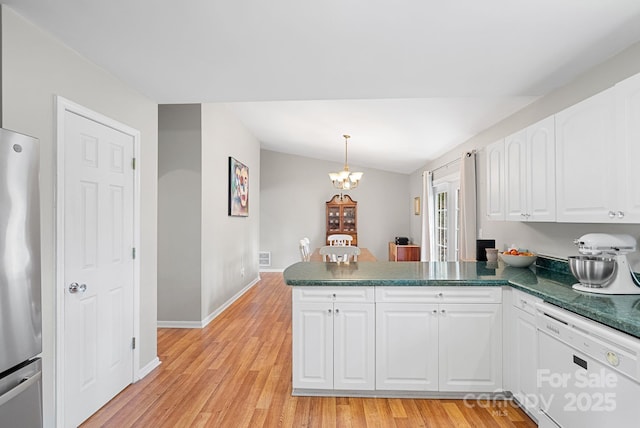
[{"x": 408, "y": 79}]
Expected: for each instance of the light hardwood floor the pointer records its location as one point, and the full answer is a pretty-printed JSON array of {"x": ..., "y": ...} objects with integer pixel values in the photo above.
[{"x": 236, "y": 372}]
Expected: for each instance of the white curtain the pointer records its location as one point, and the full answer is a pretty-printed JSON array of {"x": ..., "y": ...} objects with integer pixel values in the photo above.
[
  {"x": 428, "y": 217},
  {"x": 468, "y": 215}
]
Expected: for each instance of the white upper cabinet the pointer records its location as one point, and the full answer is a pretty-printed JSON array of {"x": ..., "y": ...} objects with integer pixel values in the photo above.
[
  {"x": 515, "y": 167},
  {"x": 495, "y": 181},
  {"x": 628, "y": 135},
  {"x": 530, "y": 173},
  {"x": 541, "y": 171},
  {"x": 598, "y": 144},
  {"x": 586, "y": 167}
]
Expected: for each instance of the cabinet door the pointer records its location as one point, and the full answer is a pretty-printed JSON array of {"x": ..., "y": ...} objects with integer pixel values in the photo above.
[
  {"x": 515, "y": 177},
  {"x": 313, "y": 345},
  {"x": 524, "y": 364},
  {"x": 470, "y": 353},
  {"x": 628, "y": 116},
  {"x": 495, "y": 181},
  {"x": 541, "y": 171},
  {"x": 348, "y": 219},
  {"x": 406, "y": 346},
  {"x": 354, "y": 346},
  {"x": 333, "y": 219},
  {"x": 586, "y": 176}
]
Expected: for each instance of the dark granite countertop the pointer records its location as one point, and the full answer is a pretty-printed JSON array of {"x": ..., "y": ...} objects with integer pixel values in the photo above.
[{"x": 621, "y": 312}]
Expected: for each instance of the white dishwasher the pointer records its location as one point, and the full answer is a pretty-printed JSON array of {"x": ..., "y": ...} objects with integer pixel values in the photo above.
[{"x": 588, "y": 374}]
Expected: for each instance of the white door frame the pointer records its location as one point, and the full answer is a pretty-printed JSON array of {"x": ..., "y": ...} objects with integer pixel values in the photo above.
[{"x": 63, "y": 106}]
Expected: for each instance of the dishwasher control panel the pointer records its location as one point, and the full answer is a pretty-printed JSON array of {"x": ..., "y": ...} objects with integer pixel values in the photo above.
[
  {"x": 588, "y": 375},
  {"x": 612, "y": 348}
]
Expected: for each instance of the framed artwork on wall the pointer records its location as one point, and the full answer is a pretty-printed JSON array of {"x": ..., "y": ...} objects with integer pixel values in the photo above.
[{"x": 238, "y": 188}]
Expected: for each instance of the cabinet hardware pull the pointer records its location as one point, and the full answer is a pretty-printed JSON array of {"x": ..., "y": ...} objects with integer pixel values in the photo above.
[
  {"x": 329, "y": 311},
  {"x": 620, "y": 214},
  {"x": 612, "y": 214}
]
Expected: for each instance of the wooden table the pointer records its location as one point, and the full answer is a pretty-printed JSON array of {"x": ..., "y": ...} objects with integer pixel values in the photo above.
[{"x": 365, "y": 256}]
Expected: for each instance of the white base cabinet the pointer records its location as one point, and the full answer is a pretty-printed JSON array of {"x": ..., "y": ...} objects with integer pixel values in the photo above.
[
  {"x": 407, "y": 346},
  {"x": 439, "y": 346},
  {"x": 429, "y": 339},
  {"x": 523, "y": 346},
  {"x": 470, "y": 347},
  {"x": 333, "y": 338}
]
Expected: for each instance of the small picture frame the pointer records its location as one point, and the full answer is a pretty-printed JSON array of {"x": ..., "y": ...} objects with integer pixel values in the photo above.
[
  {"x": 416, "y": 205},
  {"x": 238, "y": 188}
]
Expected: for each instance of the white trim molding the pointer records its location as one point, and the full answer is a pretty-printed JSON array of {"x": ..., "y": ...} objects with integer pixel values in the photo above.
[{"x": 211, "y": 316}]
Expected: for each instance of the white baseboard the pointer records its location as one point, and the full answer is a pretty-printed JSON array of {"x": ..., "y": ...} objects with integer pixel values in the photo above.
[
  {"x": 179, "y": 324},
  {"x": 228, "y": 303},
  {"x": 148, "y": 368},
  {"x": 210, "y": 317}
]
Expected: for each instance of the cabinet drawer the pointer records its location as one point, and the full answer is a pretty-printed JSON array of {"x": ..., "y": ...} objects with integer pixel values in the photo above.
[
  {"x": 524, "y": 301},
  {"x": 461, "y": 294},
  {"x": 333, "y": 294}
]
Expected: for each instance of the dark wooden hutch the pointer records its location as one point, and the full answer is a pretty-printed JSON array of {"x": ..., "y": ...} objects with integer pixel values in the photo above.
[{"x": 342, "y": 217}]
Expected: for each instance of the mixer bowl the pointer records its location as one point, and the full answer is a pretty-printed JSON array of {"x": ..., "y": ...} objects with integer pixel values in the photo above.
[{"x": 592, "y": 271}]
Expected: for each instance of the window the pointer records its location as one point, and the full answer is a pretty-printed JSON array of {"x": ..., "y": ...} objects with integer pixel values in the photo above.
[{"x": 447, "y": 219}]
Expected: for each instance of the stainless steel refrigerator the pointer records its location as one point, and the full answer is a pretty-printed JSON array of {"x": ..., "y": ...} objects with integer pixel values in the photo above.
[{"x": 20, "y": 288}]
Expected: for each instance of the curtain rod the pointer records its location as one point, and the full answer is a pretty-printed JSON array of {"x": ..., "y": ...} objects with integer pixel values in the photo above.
[
  {"x": 446, "y": 165},
  {"x": 450, "y": 162}
]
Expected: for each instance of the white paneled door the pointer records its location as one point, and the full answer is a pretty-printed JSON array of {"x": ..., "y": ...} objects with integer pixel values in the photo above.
[{"x": 98, "y": 265}]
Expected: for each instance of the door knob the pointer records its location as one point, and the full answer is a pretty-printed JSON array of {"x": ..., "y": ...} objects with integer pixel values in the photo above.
[{"x": 74, "y": 287}]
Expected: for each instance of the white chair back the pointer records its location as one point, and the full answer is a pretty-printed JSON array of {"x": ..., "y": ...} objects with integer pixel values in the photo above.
[
  {"x": 305, "y": 253},
  {"x": 332, "y": 253},
  {"x": 339, "y": 240}
]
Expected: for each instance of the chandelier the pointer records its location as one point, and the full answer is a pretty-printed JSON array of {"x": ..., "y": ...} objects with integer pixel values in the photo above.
[{"x": 345, "y": 180}]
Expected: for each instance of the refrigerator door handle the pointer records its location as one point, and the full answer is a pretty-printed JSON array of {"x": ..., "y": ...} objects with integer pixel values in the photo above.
[{"x": 20, "y": 388}]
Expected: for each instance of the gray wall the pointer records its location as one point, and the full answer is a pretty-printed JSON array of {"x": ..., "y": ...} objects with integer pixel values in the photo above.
[
  {"x": 555, "y": 239},
  {"x": 36, "y": 67},
  {"x": 179, "y": 212},
  {"x": 229, "y": 244},
  {"x": 294, "y": 190},
  {"x": 206, "y": 258}
]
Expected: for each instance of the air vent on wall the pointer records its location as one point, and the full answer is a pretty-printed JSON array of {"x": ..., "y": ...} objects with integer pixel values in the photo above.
[{"x": 264, "y": 258}]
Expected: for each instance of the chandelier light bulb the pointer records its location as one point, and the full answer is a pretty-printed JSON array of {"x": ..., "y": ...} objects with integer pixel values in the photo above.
[{"x": 345, "y": 180}]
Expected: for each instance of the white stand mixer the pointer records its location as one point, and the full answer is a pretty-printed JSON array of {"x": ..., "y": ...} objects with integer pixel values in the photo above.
[{"x": 618, "y": 246}]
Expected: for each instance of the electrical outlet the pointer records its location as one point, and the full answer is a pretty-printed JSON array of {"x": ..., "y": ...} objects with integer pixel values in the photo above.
[{"x": 242, "y": 272}]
